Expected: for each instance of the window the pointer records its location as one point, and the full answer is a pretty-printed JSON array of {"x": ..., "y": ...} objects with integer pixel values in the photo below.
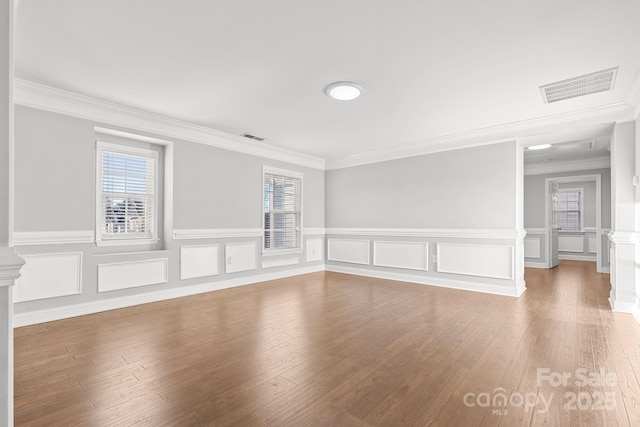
[
  {"x": 570, "y": 209},
  {"x": 127, "y": 195},
  {"x": 282, "y": 210}
]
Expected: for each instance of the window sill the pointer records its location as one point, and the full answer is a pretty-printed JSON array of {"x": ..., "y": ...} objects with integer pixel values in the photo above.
[{"x": 127, "y": 242}]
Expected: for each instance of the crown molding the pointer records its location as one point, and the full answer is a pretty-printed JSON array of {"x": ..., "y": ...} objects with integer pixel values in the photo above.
[
  {"x": 44, "y": 97},
  {"x": 568, "y": 166},
  {"x": 490, "y": 135}
]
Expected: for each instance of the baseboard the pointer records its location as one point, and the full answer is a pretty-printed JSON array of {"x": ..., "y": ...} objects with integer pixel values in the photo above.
[
  {"x": 57, "y": 313},
  {"x": 605, "y": 270},
  {"x": 432, "y": 281},
  {"x": 624, "y": 307},
  {"x": 535, "y": 264}
]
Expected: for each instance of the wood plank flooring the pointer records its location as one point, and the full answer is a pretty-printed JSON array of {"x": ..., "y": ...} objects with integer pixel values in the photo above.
[{"x": 330, "y": 349}]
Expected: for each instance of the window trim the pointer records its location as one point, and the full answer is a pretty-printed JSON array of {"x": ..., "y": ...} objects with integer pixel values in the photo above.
[
  {"x": 291, "y": 174},
  {"x": 573, "y": 190},
  {"x": 102, "y": 146}
]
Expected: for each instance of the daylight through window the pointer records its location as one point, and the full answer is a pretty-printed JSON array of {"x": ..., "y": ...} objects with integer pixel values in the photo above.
[
  {"x": 127, "y": 204},
  {"x": 282, "y": 210},
  {"x": 570, "y": 210}
]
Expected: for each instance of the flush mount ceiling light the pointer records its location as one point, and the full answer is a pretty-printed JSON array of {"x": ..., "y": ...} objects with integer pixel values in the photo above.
[
  {"x": 539, "y": 147},
  {"x": 343, "y": 91}
]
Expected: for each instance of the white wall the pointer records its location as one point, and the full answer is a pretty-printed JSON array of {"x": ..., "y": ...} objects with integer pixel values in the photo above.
[
  {"x": 469, "y": 188},
  {"x": 212, "y": 233},
  {"x": 430, "y": 219}
]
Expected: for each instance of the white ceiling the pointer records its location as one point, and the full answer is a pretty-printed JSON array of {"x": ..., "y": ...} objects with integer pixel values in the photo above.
[{"x": 429, "y": 69}]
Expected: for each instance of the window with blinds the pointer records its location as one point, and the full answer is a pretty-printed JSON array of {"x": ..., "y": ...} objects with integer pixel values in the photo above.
[
  {"x": 127, "y": 193},
  {"x": 282, "y": 209},
  {"x": 570, "y": 210}
]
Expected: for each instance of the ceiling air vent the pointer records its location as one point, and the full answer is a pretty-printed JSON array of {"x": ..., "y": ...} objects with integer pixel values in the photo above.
[
  {"x": 248, "y": 135},
  {"x": 600, "y": 81}
]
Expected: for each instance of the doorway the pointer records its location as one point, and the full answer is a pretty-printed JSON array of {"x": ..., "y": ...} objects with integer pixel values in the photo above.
[{"x": 569, "y": 225}]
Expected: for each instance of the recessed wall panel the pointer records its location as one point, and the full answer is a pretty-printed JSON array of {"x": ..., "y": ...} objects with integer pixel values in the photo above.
[
  {"x": 199, "y": 261},
  {"x": 355, "y": 251},
  {"x": 492, "y": 261},
  {"x": 124, "y": 275},
  {"x": 409, "y": 255},
  {"x": 48, "y": 276}
]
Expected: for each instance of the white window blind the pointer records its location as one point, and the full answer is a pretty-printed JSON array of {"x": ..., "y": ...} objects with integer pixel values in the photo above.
[
  {"x": 282, "y": 211},
  {"x": 570, "y": 210},
  {"x": 127, "y": 187}
]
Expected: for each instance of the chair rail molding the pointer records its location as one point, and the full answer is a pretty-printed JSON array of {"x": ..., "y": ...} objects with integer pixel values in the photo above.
[
  {"x": 216, "y": 233},
  {"x": 462, "y": 233},
  {"x": 10, "y": 265}
]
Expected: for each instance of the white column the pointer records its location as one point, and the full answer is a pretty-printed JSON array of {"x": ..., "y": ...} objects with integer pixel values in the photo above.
[
  {"x": 637, "y": 184},
  {"x": 10, "y": 263},
  {"x": 623, "y": 234}
]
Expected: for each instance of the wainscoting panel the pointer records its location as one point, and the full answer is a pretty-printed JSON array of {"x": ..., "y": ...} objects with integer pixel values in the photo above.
[
  {"x": 240, "y": 257},
  {"x": 349, "y": 250},
  {"x": 48, "y": 276},
  {"x": 592, "y": 244},
  {"x": 409, "y": 255},
  {"x": 532, "y": 247},
  {"x": 280, "y": 262},
  {"x": 124, "y": 275},
  {"x": 571, "y": 243},
  {"x": 314, "y": 249},
  {"x": 492, "y": 261},
  {"x": 199, "y": 261}
]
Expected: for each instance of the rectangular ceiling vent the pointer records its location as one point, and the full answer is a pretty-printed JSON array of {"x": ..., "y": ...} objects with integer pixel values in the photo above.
[
  {"x": 248, "y": 135},
  {"x": 600, "y": 81}
]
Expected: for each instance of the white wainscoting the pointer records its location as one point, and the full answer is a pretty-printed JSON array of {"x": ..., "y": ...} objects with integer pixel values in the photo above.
[
  {"x": 124, "y": 275},
  {"x": 494, "y": 261},
  {"x": 48, "y": 276},
  {"x": 240, "y": 257},
  {"x": 199, "y": 261},
  {"x": 592, "y": 244},
  {"x": 314, "y": 249},
  {"x": 532, "y": 247},
  {"x": 355, "y": 251},
  {"x": 571, "y": 243},
  {"x": 280, "y": 262},
  {"x": 409, "y": 255}
]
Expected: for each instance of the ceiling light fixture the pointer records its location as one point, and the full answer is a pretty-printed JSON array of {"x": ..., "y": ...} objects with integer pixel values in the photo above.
[
  {"x": 539, "y": 147},
  {"x": 343, "y": 91}
]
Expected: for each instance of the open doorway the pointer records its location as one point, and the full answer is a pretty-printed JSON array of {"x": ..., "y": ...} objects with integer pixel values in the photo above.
[{"x": 573, "y": 219}]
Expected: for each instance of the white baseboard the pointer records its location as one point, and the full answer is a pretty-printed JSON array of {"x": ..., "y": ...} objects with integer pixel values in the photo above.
[
  {"x": 433, "y": 281},
  {"x": 57, "y": 313},
  {"x": 624, "y": 307},
  {"x": 572, "y": 257},
  {"x": 605, "y": 270},
  {"x": 535, "y": 264}
]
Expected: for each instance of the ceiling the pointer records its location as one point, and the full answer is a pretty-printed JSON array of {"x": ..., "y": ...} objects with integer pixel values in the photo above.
[{"x": 429, "y": 69}]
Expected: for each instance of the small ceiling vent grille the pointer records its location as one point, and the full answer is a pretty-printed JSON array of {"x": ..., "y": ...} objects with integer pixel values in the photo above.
[
  {"x": 248, "y": 135},
  {"x": 600, "y": 81}
]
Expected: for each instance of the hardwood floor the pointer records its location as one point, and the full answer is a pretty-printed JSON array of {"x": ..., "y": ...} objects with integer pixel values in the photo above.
[{"x": 340, "y": 350}]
